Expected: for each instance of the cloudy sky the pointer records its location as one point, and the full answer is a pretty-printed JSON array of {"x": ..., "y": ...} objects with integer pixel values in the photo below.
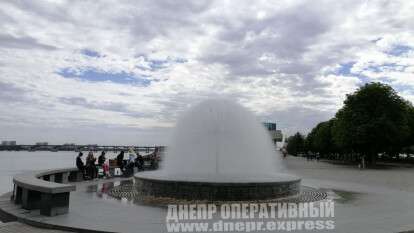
[{"x": 119, "y": 72}]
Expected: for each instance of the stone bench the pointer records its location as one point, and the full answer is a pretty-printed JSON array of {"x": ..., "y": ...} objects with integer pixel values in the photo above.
[{"x": 45, "y": 190}]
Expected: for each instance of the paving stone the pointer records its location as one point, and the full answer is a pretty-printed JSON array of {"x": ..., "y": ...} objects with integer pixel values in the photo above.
[{"x": 16, "y": 227}]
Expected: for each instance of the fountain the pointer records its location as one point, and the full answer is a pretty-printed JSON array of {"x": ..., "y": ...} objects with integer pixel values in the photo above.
[{"x": 219, "y": 151}]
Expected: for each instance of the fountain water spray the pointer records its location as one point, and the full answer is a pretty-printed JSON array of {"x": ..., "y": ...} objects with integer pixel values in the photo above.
[
  {"x": 218, "y": 139},
  {"x": 219, "y": 151}
]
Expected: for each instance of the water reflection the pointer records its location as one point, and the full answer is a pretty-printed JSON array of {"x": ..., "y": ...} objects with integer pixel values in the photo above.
[{"x": 103, "y": 190}]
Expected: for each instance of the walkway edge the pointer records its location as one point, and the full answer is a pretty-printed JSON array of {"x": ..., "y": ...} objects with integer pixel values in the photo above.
[{"x": 9, "y": 216}]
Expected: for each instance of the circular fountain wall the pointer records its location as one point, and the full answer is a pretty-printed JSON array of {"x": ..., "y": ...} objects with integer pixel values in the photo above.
[{"x": 219, "y": 151}]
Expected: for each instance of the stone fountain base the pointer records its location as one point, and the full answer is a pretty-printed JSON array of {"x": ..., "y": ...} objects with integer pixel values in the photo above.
[{"x": 211, "y": 188}]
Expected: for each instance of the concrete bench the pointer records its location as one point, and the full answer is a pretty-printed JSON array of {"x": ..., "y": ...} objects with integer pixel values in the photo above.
[{"x": 45, "y": 190}]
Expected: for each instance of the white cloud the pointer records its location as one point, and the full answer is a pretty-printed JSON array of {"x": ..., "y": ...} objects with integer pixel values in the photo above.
[{"x": 278, "y": 58}]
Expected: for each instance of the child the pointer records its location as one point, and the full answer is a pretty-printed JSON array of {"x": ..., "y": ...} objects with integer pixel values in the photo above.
[{"x": 105, "y": 168}]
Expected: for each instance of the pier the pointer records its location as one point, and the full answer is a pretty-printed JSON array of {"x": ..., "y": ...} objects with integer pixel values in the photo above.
[{"x": 73, "y": 147}]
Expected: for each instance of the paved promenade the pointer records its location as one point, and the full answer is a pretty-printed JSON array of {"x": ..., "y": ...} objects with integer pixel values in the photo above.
[
  {"x": 14, "y": 227},
  {"x": 394, "y": 176},
  {"x": 379, "y": 200}
]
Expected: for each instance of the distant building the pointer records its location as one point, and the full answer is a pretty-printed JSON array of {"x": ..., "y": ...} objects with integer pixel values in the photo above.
[
  {"x": 92, "y": 147},
  {"x": 8, "y": 143},
  {"x": 279, "y": 135},
  {"x": 275, "y": 134},
  {"x": 41, "y": 143},
  {"x": 68, "y": 146},
  {"x": 269, "y": 126}
]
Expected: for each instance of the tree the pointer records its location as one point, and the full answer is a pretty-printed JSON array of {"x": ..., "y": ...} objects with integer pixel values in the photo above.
[
  {"x": 320, "y": 138},
  {"x": 409, "y": 143},
  {"x": 374, "y": 119},
  {"x": 309, "y": 141},
  {"x": 295, "y": 144}
]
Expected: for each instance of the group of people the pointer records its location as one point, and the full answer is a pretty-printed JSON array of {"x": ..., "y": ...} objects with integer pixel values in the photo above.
[
  {"x": 311, "y": 156},
  {"x": 127, "y": 165},
  {"x": 92, "y": 168}
]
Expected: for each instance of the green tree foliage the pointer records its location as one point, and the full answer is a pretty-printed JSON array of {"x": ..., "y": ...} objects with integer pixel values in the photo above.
[
  {"x": 410, "y": 139},
  {"x": 296, "y": 144},
  {"x": 320, "y": 138},
  {"x": 374, "y": 119}
]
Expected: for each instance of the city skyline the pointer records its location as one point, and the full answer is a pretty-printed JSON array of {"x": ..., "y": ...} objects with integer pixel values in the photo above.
[{"x": 120, "y": 72}]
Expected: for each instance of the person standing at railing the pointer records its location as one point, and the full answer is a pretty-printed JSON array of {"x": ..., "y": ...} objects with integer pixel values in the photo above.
[
  {"x": 120, "y": 160},
  {"x": 101, "y": 162},
  {"x": 139, "y": 162},
  {"x": 129, "y": 168},
  {"x": 132, "y": 156},
  {"x": 101, "y": 159},
  {"x": 80, "y": 165},
  {"x": 90, "y": 166}
]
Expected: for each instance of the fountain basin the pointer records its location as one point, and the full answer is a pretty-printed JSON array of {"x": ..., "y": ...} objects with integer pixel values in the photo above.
[{"x": 213, "y": 187}]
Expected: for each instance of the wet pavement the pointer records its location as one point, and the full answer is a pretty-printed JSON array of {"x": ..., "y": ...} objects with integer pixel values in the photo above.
[{"x": 379, "y": 200}]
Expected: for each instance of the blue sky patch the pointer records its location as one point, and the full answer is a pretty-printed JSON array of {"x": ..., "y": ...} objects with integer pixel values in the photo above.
[
  {"x": 387, "y": 67},
  {"x": 403, "y": 87},
  {"x": 399, "y": 50},
  {"x": 160, "y": 64},
  {"x": 94, "y": 75},
  {"x": 157, "y": 64},
  {"x": 345, "y": 69},
  {"x": 90, "y": 53}
]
